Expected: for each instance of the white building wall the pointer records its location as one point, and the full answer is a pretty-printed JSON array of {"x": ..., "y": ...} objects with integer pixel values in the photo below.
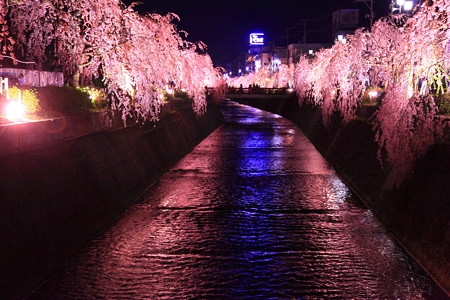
[{"x": 37, "y": 78}]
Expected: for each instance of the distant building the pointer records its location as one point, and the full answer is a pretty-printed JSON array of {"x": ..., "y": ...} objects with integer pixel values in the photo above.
[
  {"x": 254, "y": 59},
  {"x": 295, "y": 51},
  {"x": 262, "y": 55},
  {"x": 279, "y": 56},
  {"x": 345, "y": 21}
]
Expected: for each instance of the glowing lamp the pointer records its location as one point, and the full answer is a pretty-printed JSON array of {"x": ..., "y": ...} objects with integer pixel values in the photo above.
[
  {"x": 311, "y": 52},
  {"x": 373, "y": 94},
  {"x": 408, "y": 5},
  {"x": 342, "y": 39},
  {"x": 410, "y": 91},
  {"x": 15, "y": 110}
]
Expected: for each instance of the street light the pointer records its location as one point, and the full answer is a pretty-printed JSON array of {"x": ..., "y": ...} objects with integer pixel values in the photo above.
[
  {"x": 402, "y": 6},
  {"x": 408, "y": 6},
  {"x": 341, "y": 38}
]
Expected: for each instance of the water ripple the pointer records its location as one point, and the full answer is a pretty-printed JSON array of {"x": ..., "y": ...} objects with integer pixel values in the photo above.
[{"x": 254, "y": 212}]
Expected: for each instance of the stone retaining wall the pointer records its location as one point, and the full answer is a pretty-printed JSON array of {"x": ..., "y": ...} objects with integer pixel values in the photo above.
[{"x": 55, "y": 197}]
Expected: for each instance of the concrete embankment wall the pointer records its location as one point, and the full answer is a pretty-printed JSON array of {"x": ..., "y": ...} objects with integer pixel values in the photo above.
[
  {"x": 57, "y": 196},
  {"x": 418, "y": 214}
]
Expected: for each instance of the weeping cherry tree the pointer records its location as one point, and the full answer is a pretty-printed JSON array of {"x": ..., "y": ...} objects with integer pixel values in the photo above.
[{"x": 139, "y": 57}]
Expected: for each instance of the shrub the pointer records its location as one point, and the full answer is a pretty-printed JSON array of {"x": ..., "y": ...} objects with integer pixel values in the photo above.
[
  {"x": 97, "y": 96},
  {"x": 443, "y": 103},
  {"x": 29, "y": 98},
  {"x": 64, "y": 100}
]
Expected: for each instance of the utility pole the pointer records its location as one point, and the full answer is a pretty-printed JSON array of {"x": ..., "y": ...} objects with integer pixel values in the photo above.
[
  {"x": 287, "y": 36},
  {"x": 304, "y": 31},
  {"x": 287, "y": 42},
  {"x": 372, "y": 15},
  {"x": 287, "y": 45}
]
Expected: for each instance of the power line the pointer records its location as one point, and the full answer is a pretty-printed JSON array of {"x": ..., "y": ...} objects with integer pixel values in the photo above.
[{"x": 22, "y": 62}]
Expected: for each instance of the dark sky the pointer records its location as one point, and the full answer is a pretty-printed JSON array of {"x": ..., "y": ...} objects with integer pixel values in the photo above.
[{"x": 225, "y": 25}]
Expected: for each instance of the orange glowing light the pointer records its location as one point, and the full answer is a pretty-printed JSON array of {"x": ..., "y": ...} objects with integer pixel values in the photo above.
[{"x": 15, "y": 111}]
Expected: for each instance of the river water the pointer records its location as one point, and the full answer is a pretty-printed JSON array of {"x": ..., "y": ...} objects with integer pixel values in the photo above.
[{"x": 253, "y": 212}]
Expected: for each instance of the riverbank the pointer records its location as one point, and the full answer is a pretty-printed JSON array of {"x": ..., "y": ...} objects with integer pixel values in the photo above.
[
  {"x": 417, "y": 215},
  {"x": 57, "y": 195}
]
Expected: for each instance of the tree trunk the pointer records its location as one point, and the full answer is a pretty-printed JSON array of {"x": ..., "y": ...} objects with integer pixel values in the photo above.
[{"x": 76, "y": 79}]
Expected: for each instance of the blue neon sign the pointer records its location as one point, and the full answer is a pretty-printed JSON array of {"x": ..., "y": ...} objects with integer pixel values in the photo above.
[{"x": 256, "y": 39}]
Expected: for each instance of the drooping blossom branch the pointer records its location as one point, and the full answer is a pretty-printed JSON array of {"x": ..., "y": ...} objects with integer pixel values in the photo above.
[
  {"x": 139, "y": 57},
  {"x": 409, "y": 59}
]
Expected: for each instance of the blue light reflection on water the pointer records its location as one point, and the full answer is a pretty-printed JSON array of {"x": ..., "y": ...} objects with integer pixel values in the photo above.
[
  {"x": 255, "y": 160},
  {"x": 254, "y": 212},
  {"x": 262, "y": 221}
]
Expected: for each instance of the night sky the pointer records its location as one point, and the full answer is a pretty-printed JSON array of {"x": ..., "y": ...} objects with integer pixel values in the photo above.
[{"x": 224, "y": 25}]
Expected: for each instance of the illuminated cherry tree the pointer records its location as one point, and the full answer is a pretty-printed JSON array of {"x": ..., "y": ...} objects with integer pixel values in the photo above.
[
  {"x": 335, "y": 78},
  {"x": 408, "y": 120},
  {"x": 265, "y": 77},
  {"x": 303, "y": 81},
  {"x": 283, "y": 77},
  {"x": 406, "y": 57},
  {"x": 141, "y": 58},
  {"x": 5, "y": 38}
]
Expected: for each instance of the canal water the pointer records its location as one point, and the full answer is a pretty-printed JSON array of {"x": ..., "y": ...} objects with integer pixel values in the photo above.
[{"x": 253, "y": 212}]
